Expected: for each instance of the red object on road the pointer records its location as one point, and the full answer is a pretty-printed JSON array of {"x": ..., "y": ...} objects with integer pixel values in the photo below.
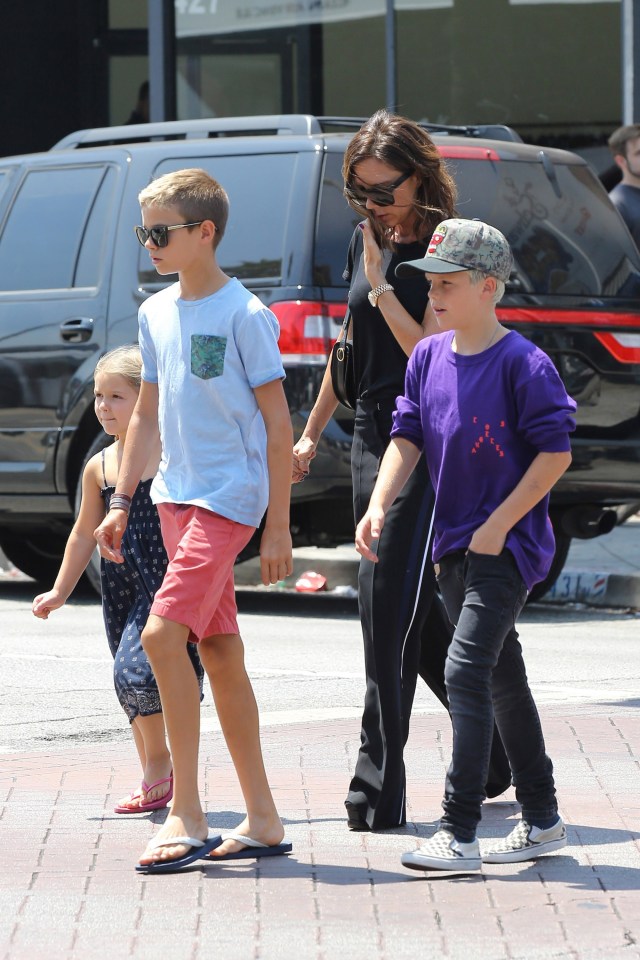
[{"x": 311, "y": 582}]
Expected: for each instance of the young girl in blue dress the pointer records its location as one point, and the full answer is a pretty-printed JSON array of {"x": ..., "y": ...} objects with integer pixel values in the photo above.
[{"x": 128, "y": 588}]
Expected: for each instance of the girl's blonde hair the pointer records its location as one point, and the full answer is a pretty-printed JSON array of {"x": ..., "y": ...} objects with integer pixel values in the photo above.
[{"x": 125, "y": 361}]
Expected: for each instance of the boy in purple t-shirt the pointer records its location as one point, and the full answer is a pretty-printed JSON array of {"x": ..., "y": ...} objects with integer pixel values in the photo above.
[{"x": 490, "y": 412}]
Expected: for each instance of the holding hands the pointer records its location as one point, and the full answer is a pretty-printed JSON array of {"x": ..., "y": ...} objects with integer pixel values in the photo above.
[
  {"x": 303, "y": 453},
  {"x": 109, "y": 535}
]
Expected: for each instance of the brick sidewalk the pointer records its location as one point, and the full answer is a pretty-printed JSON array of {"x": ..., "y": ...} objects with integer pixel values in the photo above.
[{"x": 68, "y": 890}]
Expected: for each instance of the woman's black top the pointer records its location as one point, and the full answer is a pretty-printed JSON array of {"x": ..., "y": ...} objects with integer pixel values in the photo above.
[{"x": 379, "y": 360}]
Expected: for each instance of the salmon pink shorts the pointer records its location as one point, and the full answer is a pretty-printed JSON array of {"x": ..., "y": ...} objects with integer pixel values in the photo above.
[{"x": 198, "y": 589}]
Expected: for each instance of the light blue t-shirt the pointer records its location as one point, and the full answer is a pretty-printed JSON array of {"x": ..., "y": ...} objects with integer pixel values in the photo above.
[{"x": 207, "y": 356}]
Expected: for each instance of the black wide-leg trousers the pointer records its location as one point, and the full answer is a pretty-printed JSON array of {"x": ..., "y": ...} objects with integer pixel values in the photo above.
[{"x": 405, "y": 629}]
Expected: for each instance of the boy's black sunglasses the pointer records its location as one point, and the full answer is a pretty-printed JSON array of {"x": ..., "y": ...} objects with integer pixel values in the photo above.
[
  {"x": 381, "y": 194},
  {"x": 160, "y": 235}
]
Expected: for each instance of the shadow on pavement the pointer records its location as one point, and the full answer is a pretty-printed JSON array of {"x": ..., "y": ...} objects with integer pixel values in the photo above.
[{"x": 285, "y": 603}]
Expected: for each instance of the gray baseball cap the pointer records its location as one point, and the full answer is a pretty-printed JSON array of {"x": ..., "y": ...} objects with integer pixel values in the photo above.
[{"x": 463, "y": 245}]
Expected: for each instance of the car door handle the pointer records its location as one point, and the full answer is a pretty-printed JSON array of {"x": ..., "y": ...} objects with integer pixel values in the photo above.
[{"x": 77, "y": 330}]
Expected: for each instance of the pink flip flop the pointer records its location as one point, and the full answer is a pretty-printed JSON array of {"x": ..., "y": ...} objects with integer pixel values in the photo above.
[
  {"x": 162, "y": 801},
  {"x": 123, "y": 808},
  {"x": 152, "y": 804}
]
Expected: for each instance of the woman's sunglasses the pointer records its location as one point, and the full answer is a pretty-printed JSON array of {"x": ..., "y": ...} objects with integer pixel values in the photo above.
[
  {"x": 381, "y": 195},
  {"x": 160, "y": 235}
]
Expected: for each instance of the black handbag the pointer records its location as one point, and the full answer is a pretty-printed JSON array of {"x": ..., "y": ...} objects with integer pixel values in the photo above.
[{"x": 343, "y": 379}]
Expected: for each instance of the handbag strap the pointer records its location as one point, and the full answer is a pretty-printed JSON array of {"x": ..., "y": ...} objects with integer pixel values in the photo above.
[{"x": 342, "y": 338}]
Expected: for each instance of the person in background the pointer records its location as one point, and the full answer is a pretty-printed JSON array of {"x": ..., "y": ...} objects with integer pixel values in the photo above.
[
  {"x": 140, "y": 113},
  {"x": 624, "y": 144},
  {"x": 396, "y": 180}
]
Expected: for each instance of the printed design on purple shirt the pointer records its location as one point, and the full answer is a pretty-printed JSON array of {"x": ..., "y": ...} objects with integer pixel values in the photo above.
[{"x": 487, "y": 435}]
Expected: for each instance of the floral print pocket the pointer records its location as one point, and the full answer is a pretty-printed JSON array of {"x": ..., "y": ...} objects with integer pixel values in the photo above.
[{"x": 207, "y": 355}]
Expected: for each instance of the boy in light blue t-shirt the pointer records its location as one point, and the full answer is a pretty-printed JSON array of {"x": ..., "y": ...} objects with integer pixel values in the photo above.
[{"x": 212, "y": 383}]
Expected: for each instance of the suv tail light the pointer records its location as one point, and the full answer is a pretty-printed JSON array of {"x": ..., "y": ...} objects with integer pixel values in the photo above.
[
  {"x": 467, "y": 153},
  {"x": 308, "y": 329},
  {"x": 623, "y": 346}
]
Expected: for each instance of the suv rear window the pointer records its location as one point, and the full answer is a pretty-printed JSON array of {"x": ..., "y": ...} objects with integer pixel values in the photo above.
[
  {"x": 336, "y": 223},
  {"x": 566, "y": 241},
  {"x": 259, "y": 209}
]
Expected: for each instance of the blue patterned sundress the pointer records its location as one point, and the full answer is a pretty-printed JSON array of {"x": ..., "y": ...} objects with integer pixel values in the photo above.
[{"x": 128, "y": 589}]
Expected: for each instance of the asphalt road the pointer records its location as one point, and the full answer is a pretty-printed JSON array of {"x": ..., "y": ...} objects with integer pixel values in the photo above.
[{"x": 303, "y": 654}]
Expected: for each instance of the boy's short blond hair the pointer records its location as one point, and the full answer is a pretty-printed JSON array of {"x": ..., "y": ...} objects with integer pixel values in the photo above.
[
  {"x": 194, "y": 193},
  {"x": 478, "y": 276}
]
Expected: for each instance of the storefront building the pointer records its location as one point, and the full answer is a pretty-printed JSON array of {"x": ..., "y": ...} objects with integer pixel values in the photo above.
[{"x": 552, "y": 69}]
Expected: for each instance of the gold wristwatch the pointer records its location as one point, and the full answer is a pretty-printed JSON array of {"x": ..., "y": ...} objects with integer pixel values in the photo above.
[{"x": 375, "y": 294}]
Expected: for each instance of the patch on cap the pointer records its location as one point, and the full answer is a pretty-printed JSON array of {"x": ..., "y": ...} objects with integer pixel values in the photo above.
[{"x": 439, "y": 234}]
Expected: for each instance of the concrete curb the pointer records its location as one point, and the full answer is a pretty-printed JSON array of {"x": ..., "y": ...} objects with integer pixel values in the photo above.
[
  {"x": 595, "y": 589},
  {"x": 604, "y": 572}
]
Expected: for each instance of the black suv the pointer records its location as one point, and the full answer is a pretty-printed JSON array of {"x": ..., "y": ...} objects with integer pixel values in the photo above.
[{"x": 72, "y": 276}]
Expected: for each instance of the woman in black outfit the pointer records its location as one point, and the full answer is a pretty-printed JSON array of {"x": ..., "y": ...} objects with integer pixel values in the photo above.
[{"x": 396, "y": 179}]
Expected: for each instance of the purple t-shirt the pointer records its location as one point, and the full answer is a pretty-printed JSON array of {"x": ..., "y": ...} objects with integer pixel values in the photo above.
[{"x": 481, "y": 421}]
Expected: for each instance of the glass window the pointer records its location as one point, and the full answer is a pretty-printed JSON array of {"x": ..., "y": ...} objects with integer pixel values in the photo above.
[
  {"x": 93, "y": 254},
  {"x": 41, "y": 239},
  {"x": 259, "y": 189},
  {"x": 229, "y": 84},
  {"x": 532, "y": 71},
  {"x": 128, "y": 14},
  {"x": 128, "y": 89},
  {"x": 336, "y": 223}
]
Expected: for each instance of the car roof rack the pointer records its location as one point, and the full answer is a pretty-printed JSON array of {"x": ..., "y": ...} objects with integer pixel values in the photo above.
[
  {"x": 486, "y": 131},
  {"x": 277, "y": 124},
  {"x": 483, "y": 131}
]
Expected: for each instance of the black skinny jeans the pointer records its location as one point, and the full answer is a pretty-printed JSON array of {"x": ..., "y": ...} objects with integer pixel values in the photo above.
[{"x": 486, "y": 678}]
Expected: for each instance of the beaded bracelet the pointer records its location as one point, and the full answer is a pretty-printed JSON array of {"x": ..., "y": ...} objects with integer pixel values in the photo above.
[{"x": 120, "y": 501}]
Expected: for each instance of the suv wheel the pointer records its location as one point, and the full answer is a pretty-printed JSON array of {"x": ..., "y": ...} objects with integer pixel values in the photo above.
[{"x": 37, "y": 555}]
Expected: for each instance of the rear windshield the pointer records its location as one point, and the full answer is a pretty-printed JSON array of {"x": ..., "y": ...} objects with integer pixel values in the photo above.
[
  {"x": 336, "y": 223},
  {"x": 566, "y": 241}
]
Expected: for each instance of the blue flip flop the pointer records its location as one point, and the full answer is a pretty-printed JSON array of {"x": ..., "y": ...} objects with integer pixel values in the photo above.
[
  {"x": 253, "y": 849},
  {"x": 199, "y": 848}
]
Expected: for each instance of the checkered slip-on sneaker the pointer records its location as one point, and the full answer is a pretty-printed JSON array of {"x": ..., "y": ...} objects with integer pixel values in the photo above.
[
  {"x": 444, "y": 852},
  {"x": 525, "y": 842}
]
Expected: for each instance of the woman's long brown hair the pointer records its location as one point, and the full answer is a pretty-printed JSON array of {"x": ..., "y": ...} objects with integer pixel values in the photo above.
[{"x": 404, "y": 145}]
